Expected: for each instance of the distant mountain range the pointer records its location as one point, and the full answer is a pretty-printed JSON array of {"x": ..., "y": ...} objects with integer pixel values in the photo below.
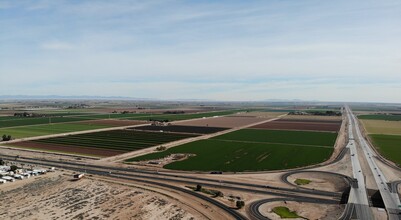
[{"x": 25, "y": 97}]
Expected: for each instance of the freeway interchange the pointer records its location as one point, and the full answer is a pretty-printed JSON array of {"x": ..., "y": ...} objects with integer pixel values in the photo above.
[{"x": 357, "y": 204}]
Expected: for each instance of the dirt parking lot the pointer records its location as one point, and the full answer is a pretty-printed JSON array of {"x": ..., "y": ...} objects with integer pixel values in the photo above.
[{"x": 55, "y": 196}]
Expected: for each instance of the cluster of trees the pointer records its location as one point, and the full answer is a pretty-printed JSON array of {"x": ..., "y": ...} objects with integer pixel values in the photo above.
[
  {"x": 161, "y": 148},
  {"x": 78, "y": 106},
  {"x": 174, "y": 112},
  {"x": 28, "y": 115},
  {"x": 240, "y": 204},
  {"x": 322, "y": 113},
  {"x": 326, "y": 113},
  {"x": 6, "y": 137}
]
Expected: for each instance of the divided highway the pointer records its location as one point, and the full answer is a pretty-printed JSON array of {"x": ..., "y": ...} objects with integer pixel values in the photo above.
[
  {"x": 391, "y": 199},
  {"x": 358, "y": 195}
]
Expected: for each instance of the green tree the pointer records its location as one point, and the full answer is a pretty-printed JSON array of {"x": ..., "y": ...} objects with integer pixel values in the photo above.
[
  {"x": 198, "y": 187},
  {"x": 240, "y": 204},
  {"x": 13, "y": 168},
  {"x": 219, "y": 194}
]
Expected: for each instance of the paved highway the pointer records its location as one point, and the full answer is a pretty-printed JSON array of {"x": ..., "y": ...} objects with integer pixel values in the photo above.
[
  {"x": 358, "y": 194},
  {"x": 247, "y": 187},
  {"x": 391, "y": 200}
]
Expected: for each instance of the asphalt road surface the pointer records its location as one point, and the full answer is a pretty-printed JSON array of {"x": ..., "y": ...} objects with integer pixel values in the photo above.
[{"x": 391, "y": 200}]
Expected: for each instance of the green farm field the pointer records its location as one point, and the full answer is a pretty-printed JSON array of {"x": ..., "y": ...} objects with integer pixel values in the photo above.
[
  {"x": 388, "y": 145},
  {"x": 251, "y": 150},
  {"x": 281, "y": 136},
  {"x": 241, "y": 156},
  {"x": 381, "y": 117}
]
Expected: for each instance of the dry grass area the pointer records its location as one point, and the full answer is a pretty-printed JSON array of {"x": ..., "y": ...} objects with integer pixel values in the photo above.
[
  {"x": 306, "y": 210},
  {"x": 382, "y": 127},
  {"x": 55, "y": 196},
  {"x": 313, "y": 117},
  {"x": 223, "y": 122}
]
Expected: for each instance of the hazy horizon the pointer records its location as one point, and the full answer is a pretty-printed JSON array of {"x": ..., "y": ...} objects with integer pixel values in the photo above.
[{"x": 213, "y": 50}]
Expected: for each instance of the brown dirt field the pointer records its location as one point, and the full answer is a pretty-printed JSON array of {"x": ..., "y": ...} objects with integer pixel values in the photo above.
[
  {"x": 54, "y": 196},
  {"x": 311, "y": 121},
  {"x": 261, "y": 114},
  {"x": 295, "y": 125},
  {"x": 313, "y": 117},
  {"x": 67, "y": 149},
  {"x": 223, "y": 122},
  {"x": 112, "y": 122}
]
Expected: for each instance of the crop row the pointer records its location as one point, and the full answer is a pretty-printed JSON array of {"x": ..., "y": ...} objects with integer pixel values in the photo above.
[{"x": 123, "y": 140}]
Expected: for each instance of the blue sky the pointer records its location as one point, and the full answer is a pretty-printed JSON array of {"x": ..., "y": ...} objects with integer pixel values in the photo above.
[{"x": 219, "y": 50}]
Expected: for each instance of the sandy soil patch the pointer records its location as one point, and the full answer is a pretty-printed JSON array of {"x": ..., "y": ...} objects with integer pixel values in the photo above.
[
  {"x": 54, "y": 196},
  {"x": 306, "y": 210},
  {"x": 224, "y": 122}
]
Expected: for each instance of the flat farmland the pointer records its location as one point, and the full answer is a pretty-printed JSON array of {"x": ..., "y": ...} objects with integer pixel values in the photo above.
[
  {"x": 113, "y": 122},
  {"x": 279, "y": 136},
  {"x": 179, "y": 117},
  {"x": 330, "y": 126},
  {"x": 388, "y": 145},
  {"x": 47, "y": 129},
  {"x": 105, "y": 143},
  {"x": 382, "y": 127},
  {"x": 181, "y": 129},
  {"x": 15, "y": 121},
  {"x": 312, "y": 117},
  {"x": 251, "y": 150},
  {"x": 116, "y": 116},
  {"x": 223, "y": 122},
  {"x": 386, "y": 117}
]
